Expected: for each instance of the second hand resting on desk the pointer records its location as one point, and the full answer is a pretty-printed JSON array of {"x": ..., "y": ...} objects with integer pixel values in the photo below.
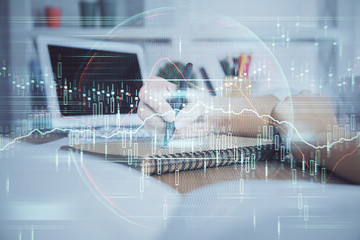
[{"x": 178, "y": 102}]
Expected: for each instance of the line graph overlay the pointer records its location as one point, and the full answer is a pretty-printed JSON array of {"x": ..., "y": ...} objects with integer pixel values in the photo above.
[{"x": 116, "y": 131}]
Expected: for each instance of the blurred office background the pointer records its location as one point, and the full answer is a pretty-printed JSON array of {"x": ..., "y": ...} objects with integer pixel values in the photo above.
[{"x": 314, "y": 40}]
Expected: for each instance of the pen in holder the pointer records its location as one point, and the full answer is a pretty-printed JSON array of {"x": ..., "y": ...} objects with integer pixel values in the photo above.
[
  {"x": 237, "y": 87},
  {"x": 237, "y": 82}
]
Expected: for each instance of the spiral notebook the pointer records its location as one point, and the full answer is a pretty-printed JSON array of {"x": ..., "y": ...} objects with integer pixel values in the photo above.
[{"x": 147, "y": 156}]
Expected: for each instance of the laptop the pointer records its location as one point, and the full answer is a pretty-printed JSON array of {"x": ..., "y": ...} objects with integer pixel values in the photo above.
[{"x": 91, "y": 83}]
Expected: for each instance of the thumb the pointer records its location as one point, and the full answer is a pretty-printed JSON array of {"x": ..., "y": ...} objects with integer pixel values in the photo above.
[{"x": 187, "y": 115}]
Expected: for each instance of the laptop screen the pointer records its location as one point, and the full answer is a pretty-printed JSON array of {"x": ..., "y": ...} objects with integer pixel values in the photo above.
[{"x": 93, "y": 82}]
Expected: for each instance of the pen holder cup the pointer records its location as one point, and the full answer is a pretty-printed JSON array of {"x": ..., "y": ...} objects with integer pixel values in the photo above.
[{"x": 237, "y": 87}]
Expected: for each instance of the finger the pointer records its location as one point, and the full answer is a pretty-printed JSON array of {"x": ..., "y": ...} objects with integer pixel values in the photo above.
[
  {"x": 188, "y": 114},
  {"x": 155, "y": 123},
  {"x": 162, "y": 108},
  {"x": 151, "y": 118},
  {"x": 156, "y": 99},
  {"x": 171, "y": 86},
  {"x": 141, "y": 109}
]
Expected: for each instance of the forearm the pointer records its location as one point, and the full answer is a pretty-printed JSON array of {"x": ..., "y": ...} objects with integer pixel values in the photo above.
[
  {"x": 342, "y": 159},
  {"x": 241, "y": 116},
  {"x": 314, "y": 135}
]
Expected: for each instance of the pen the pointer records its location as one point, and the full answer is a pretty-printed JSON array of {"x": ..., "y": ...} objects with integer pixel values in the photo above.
[
  {"x": 225, "y": 66},
  {"x": 177, "y": 102},
  {"x": 236, "y": 66},
  {"x": 208, "y": 84}
]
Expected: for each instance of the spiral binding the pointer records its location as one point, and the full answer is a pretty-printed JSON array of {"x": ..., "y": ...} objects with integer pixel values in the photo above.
[{"x": 160, "y": 164}]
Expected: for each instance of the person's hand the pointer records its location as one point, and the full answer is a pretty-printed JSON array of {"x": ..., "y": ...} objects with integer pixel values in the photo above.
[
  {"x": 309, "y": 114},
  {"x": 189, "y": 122},
  {"x": 154, "y": 109}
]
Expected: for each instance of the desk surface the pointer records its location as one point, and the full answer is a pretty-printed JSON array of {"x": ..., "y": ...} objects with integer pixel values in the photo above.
[
  {"x": 275, "y": 169},
  {"x": 56, "y": 195}
]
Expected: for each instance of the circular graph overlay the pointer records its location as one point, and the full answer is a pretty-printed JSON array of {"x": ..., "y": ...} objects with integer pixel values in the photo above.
[{"x": 159, "y": 44}]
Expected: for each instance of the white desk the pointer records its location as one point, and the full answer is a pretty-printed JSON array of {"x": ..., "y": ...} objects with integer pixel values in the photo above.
[
  {"x": 52, "y": 197},
  {"x": 47, "y": 197}
]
